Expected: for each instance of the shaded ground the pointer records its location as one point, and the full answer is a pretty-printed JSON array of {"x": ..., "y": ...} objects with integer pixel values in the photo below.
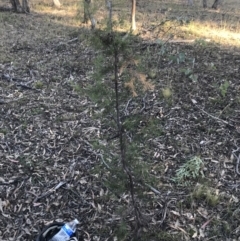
[{"x": 46, "y": 130}]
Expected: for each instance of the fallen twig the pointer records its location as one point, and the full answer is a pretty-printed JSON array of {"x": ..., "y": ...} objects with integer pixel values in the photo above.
[
  {"x": 214, "y": 117},
  {"x": 144, "y": 103},
  {"x": 103, "y": 161},
  {"x": 18, "y": 179},
  {"x": 126, "y": 108},
  {"x": 238, "y": 160},
  {"x": 49, "y": 191},
  {"x": 2, "y": 102},
  {"x": 165, "y": 211},
  {"x": 153, "y": 189}
]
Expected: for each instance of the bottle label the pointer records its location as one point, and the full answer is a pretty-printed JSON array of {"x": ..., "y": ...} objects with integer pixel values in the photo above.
[{"x": 67, "y": 230}]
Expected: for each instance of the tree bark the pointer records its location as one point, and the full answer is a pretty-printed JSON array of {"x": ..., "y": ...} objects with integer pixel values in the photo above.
[
  {"x": 205, "y": 3},
  {"x": 133, "y": 14},
  {"x": 57, "y": 3},
  {"x": 17, "y": 7},
  {"x": 25, "y": 6},
  {"x": 88, "y": 15},
  {"x": 215, "y": 4}
]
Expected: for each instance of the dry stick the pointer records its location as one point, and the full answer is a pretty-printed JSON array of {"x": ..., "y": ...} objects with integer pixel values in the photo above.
[
  {"x": 165, "y": 211},
  {"x": 2, "y": 102},
  {"x": 214, "y": 117},
  {"x": 126, "y": 108},
  {"x": 144, "y": 103},
  {"x": 49, "y": 192},
  {"x": 153, "y": 189},
  {"x": 237, "y": 165},
  {"x": 68, "y": 42},
  {"x": 238, "y": 160},
  {"x": 103, "y": 161},
  {"x": 18, "y": 179}
]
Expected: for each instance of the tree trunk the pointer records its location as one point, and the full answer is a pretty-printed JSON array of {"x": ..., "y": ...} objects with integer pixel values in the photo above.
[
  {"x": 16, "y": 6},
  {"x": 25, "y": 6},
  {"x": 133, "y": 14},
  {"x": 57, "y": 3},
  {"x": 88, "y": 15},
  {"x": 215, "y": 4},
  {"x": 205, "y": 3}
]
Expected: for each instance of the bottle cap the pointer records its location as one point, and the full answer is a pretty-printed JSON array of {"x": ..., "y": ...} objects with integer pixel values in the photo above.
[{"x": 76, "y": 221}]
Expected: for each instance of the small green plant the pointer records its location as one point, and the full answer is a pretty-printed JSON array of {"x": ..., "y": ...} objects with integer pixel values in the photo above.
[
  {"x": 210, "y": 66},
  {"x": 202, "y": 192},
  {"x": 188, "y": 72},
  {"x": 3, "y": 131},
  {"x": 179, "y": 58},
  {"x": 38, "y": 85},
  {"x": 226, "y": 227},
  {"x": 122, "y": 231},
  {"x": 192, "y": 169},
  {"x": 167, "y": 93},
  {"x": 201, "y": 42},
  {"x": 194, "y": 77},
  {"x": 77, "y": 88},
  {"x": 224, "y": 88},
  {"x": 211, "y": 199}
]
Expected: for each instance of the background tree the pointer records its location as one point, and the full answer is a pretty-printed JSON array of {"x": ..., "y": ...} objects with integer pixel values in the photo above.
[
  {"x": 57, "y": 3},
  {"x": 88, "y": 13},
  {"x": 86, "y": 5},
  {"x": 215, "y": 4},
  {"x": 24, "y": 7},
  {"x": 133, "y": 15},
  {"x": 205, "y": 3},
  {"x": 17, "y": 7}
]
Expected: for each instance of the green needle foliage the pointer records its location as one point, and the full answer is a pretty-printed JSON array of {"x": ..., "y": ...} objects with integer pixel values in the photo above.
[
  {"x": 224, "y": 88},
  {"x": 190, "y": 170},
  {"x": 119, "y": 88}
]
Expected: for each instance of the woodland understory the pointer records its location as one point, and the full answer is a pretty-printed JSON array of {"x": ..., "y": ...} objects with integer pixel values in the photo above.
[{"x": 49, "y": 168}]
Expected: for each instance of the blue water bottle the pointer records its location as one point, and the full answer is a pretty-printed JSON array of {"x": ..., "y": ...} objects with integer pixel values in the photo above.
[{"x": 67, "y": 230}]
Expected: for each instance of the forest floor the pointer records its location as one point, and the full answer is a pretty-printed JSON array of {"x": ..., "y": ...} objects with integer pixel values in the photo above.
[{"x": 47, "y": 161}]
